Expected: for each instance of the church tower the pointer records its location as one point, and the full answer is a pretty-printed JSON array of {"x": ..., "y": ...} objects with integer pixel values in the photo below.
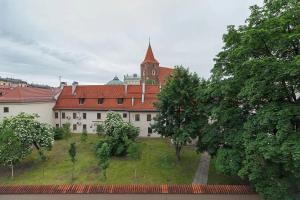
[{"x": 150, "y": 68}]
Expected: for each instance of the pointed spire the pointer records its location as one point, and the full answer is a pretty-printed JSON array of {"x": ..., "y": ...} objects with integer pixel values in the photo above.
[{"x": 149, "y": 58}]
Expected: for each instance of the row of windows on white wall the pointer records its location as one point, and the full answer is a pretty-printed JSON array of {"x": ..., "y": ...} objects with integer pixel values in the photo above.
[
  {"x": 101, "y": 100},
  {"x": 84, "y": 128},
  {"x": 84, "y": 115}
]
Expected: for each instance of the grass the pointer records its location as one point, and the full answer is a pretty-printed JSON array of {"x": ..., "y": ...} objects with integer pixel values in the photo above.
[
  {"x": 215, "y": 177},
  {"x": 157, "y": 165}
]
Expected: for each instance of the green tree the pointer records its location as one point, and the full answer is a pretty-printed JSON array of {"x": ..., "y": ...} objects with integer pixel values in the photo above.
[
  {"x": 118, "y": 134},
  {"x": 25, "y": 132},
  {"x": 178, "y": 116},
  {"x": 72, "y": 154},
  {"x": 11, "y": 150},
  {"x": 252, "y": 99},
  {"x": 103, "y": 157}
]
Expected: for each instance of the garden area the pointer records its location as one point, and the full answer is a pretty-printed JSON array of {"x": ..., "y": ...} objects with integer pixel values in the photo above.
[{"x": 157, "y": 165}]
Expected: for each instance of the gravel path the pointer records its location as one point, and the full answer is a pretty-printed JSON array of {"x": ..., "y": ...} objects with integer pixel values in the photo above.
[{"x": 201, "y": 175}]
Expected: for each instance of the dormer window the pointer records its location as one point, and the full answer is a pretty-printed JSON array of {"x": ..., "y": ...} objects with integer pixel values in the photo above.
[
  {"x": 100, "y": 100},
  {"x": 120, "y": 100},
  {"x": 81, "y": 101}
]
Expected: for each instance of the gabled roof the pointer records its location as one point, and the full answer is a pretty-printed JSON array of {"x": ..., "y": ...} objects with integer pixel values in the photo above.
[
  {"x": 110, "y": 94},
  {"x": 149, "y": 58},
  {"x": 27, "y": 94}
]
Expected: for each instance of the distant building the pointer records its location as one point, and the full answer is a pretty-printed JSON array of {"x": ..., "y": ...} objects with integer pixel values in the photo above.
[
  {"x": 11, "y": 82},
  {"x": 115, "y": 81},
  {"x": 132, "y": 79},
  {"x": 151, "y": 72},
  {"x": 85, "y": 106},
  {"x": 29, "y": 100}
]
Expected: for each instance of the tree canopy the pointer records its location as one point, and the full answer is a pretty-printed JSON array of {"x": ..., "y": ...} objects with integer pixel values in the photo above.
[
  {"x": 252, "y": 99},
  {"x": 19, "y": 134},
  {"x": 178, "y": 116}
]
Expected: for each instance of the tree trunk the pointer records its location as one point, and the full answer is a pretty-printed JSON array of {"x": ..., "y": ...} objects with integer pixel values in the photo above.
[
  {"x": 12, "y": 170},
  {"x": 178, "y": 149}
]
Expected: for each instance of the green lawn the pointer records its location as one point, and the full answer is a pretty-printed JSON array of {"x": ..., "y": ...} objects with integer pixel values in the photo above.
[{"x": 157, "y": 165}]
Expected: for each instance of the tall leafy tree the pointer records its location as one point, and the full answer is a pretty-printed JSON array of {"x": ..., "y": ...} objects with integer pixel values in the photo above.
[
  {"x": 11, "y": 149},
  {"x": 103, "y": 155},
  {"x": 253, "y": 101},
  {"x": 19, "y": 134},
  {"x": 178, "y": 116}
]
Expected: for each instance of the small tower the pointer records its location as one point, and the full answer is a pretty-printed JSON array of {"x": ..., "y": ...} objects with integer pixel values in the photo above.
[{"x": 150, "y": 68}]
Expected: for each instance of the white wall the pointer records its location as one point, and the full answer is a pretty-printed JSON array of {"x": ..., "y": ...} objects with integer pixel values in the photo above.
[
  {"x": 43, "y": 109},
  {"x": 91, "y": 120}
]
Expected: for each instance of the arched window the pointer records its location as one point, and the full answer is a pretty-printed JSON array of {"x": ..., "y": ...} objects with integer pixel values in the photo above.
[{"x": 153, "y": 72}]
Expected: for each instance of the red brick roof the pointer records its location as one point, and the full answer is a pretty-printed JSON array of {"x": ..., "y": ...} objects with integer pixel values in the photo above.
[
  {"x": 164, "y": 73},
  {"x": 149, "y": 58},
  {"x": 5, "y": 89},
  {"x": 27, "y": 94},
  {"x": 126, "y": 189},
  {"x": 110, "y": 93}
]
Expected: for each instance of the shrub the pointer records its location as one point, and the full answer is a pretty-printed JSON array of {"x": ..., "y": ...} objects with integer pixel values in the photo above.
[
  {"x": 83, "y": 136},
  {"x": 67, "y": 130},
  {"x": 58, "y": 133},
  {"x": 134, "y": 151}
]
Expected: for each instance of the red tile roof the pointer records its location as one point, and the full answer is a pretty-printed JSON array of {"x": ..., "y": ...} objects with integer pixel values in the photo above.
[
  {"x": 164, "y": 73},
  {"x": 5, "y": 89},
  {"x": 126, "y": 189},
  {"x": 27, "y": 94},
  {"x": 149, "y": 58},
  {"x": 110, "y": 93}
]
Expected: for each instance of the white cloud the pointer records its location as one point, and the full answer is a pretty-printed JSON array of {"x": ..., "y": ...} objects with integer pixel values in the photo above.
[{"x": 91, "y": 41}]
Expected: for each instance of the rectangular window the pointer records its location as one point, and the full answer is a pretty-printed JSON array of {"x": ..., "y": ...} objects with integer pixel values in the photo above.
[
  {"x": 84, "y": 127},
  {"x": 120, "y": 100},
  {"x": 137, "y": 117},
  {"x": 98, "y": 115},
  {"x": 74, "y": 127},
  {"x": 149, "y": 130},
  {"x": 56, "y": 115},
  {"x": 63, "y": 115},
  {"x": 124, "y": 115},
  {"x": 100, "y": 100},
  {"x": 57, "y": 125},
  {"x": 81, "y": 100},
  {"x": 148, "y": 117},
  {"x": 74, "y": 115},
  {"x": 84, "y": 115}
]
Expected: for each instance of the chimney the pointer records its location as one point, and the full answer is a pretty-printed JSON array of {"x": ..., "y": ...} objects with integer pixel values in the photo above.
[
  {"x": 143, "y": 87},
  {"x": 143, "y": 92},
  {"x": 74, "y": 85},
  {"x": 63, "y": 84},
  {"x": 125, "y": 87},
  {"x": 132, "y": 101}
]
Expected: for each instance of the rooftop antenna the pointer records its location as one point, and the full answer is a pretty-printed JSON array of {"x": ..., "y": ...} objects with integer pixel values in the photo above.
[{"x": 149, "y": 40}]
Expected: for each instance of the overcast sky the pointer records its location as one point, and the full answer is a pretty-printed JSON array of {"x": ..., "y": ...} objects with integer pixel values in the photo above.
[{"x": 90, "y": 41}]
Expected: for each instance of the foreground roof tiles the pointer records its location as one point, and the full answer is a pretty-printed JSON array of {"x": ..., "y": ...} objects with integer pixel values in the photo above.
[{"x": 126, "y": 189}]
